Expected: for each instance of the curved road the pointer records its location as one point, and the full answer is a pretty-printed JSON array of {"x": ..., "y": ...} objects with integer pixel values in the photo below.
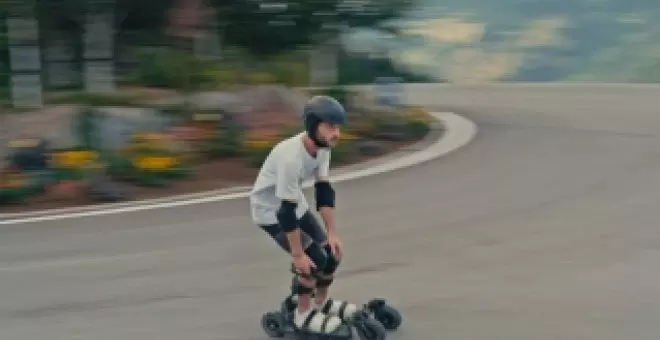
[{"x": 544, "y": 227}]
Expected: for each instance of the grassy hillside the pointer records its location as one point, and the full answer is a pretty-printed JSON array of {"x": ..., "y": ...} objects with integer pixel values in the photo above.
[{"x": 531, "y": 40}]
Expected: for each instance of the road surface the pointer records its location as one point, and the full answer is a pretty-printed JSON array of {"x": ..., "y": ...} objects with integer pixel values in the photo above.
[{"x": 545, "y": 227}]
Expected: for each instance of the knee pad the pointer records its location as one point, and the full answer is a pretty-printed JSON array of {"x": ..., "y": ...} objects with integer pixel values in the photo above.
[
  {"x": 329, "y": 269},
  {"x": 320, "y": 259},
  {"x": 331, "y": 262},
  {"x": 318, "y": 256}
]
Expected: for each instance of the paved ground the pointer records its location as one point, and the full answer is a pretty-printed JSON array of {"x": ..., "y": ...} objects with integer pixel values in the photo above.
[{"x": 544, "y": 227}]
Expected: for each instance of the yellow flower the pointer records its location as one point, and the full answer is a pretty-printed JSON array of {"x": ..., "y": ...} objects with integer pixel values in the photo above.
[
  {"x": 259, "y": 144},
  {"x": 74, "y": 159},
  {"x": 417, "y": 113},
  {"x": 23, "y": 143},
  {"x": 261, "y": 78},
  {"x": 13, "y": 181},
  {"x": 155, "y": 162},
  {"x": 349, "y": 136},
  {"x": 149, "y": 140}
]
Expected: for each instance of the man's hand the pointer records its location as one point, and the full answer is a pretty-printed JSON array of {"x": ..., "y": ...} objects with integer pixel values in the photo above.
[
  {"x": 335, "y": 245},
  {"x": 303, "y": 264}
]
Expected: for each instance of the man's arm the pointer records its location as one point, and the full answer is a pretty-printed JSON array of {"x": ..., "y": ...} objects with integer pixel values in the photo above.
[
  {"x": 327, "y": 213},
  {"x": 288, "y": 190},
  {"x": 325, "y": 195}
]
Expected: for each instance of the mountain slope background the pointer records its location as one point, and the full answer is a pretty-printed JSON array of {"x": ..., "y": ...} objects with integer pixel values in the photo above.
[{"x": 527, "y": 40}]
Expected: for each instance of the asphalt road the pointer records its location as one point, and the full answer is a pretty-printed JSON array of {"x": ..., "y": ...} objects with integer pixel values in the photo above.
[{"x": 544, "y": 227}]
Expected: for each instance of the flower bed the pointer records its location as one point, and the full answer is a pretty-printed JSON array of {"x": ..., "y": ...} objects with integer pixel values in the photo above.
[{"x": 198, "y": 156}]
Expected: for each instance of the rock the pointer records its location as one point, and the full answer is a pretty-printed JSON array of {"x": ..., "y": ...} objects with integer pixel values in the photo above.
[
  {"x": 271, "y": 106},
  {"x": 31, "y": 157},
  {"x": 67, "y": 189},
  {"x": 117, "y": 125},
  {"x": 103, "y": 189},
  {"x": 51, "y": 123}
]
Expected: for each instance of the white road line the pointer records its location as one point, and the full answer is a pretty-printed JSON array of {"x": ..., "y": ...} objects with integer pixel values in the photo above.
[{"x": 459, "y": 131}]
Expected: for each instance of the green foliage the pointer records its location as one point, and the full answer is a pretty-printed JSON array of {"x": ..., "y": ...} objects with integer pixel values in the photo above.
[
  {"x": 118, "y": 166},
  {"x": 171, "y": 68},
  {"x": 16, "y": 187},
  {"x": 344, "y": 152},
  {"x": 150, "y": 159},
  {"x": 360, "y": 69},
  {"x": 96, "y": 100},
  {"x": 86, "y": 128},
  {"x": 13, "y": 195},
  {"x": 417, "y": 128},
  {"x": 256, "y": 157},
  {"x": 341, "y": 93},
  {"x": 270, "y": 29},
  {"x": 227, "y": 142},
  {"x": 4, "y": 55}
]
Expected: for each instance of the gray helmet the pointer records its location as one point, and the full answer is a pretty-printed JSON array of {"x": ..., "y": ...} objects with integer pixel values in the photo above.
[{"x": 322, "y": 109}]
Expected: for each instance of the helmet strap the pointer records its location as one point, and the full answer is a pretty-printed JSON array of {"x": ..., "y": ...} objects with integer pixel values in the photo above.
[{"x": 312, "y": 134}]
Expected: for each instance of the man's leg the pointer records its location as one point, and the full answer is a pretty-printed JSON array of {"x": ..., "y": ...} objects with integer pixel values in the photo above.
[
  {"x": 306, "y": 316},
  {"x": 302, "y": 287},
  {"x": 311, "y": 226}
]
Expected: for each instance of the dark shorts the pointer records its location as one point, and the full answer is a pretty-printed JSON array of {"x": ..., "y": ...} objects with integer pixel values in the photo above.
[{"x": 311, "y": 231}]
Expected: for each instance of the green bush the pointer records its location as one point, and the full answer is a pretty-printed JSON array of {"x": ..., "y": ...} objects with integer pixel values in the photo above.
[
  {"x": 227, "y": 142},
  {"x": 16, "y": 187},
  {"x": 96, "y": 100},
  {"x": 13, "y": 195},
  {"x": 86, "y": 128},
  {"x": 417, "y": 128},
  {"x": 170, "y": 68},
  {"x": 344, "y": 152},
  {"x": 256, "y": 157},
  {"x": 118, "y": 166},
  {"x": 149, "y": 159}
]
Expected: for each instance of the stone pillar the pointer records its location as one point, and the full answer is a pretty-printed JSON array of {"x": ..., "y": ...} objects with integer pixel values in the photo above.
[
  {"x": 24, "y": 55},
  {"x": 99, "y": 31}
]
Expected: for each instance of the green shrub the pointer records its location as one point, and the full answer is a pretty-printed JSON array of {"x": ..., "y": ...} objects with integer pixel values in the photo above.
[
  {"x": 170, "y": 68},
  {"x": 96, "y": 100},
  {"x": 417, "y": 128},
  {"x": 227, "y": 142},
  {"x": 344, "y": 152}
]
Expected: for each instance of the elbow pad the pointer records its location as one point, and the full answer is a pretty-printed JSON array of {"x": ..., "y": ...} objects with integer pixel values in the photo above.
[
  {"x": 286, "y": 216},
  {"x": 325, "y": 195}
]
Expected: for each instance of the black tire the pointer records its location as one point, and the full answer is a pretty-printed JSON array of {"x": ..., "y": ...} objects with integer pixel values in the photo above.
[
  {"x": 273, "y": 324},
  {"x": 371, "y": 330},
  {"x": 389, "y": 317}
]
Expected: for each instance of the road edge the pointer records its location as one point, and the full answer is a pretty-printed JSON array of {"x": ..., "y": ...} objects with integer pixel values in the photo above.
[{"x": 457, "y": 131}]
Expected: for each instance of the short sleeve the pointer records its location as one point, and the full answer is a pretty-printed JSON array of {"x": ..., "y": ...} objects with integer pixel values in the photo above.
[
  {"x": 324, "y": 166},
  {"x": 288, "y": 184}
]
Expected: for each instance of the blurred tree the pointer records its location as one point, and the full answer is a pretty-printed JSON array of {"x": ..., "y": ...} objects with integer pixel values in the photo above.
[{"x": 269, "y": 27}]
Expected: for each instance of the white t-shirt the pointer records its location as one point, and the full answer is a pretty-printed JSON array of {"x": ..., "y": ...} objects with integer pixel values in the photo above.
[{"x": 281, "y": 176}]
